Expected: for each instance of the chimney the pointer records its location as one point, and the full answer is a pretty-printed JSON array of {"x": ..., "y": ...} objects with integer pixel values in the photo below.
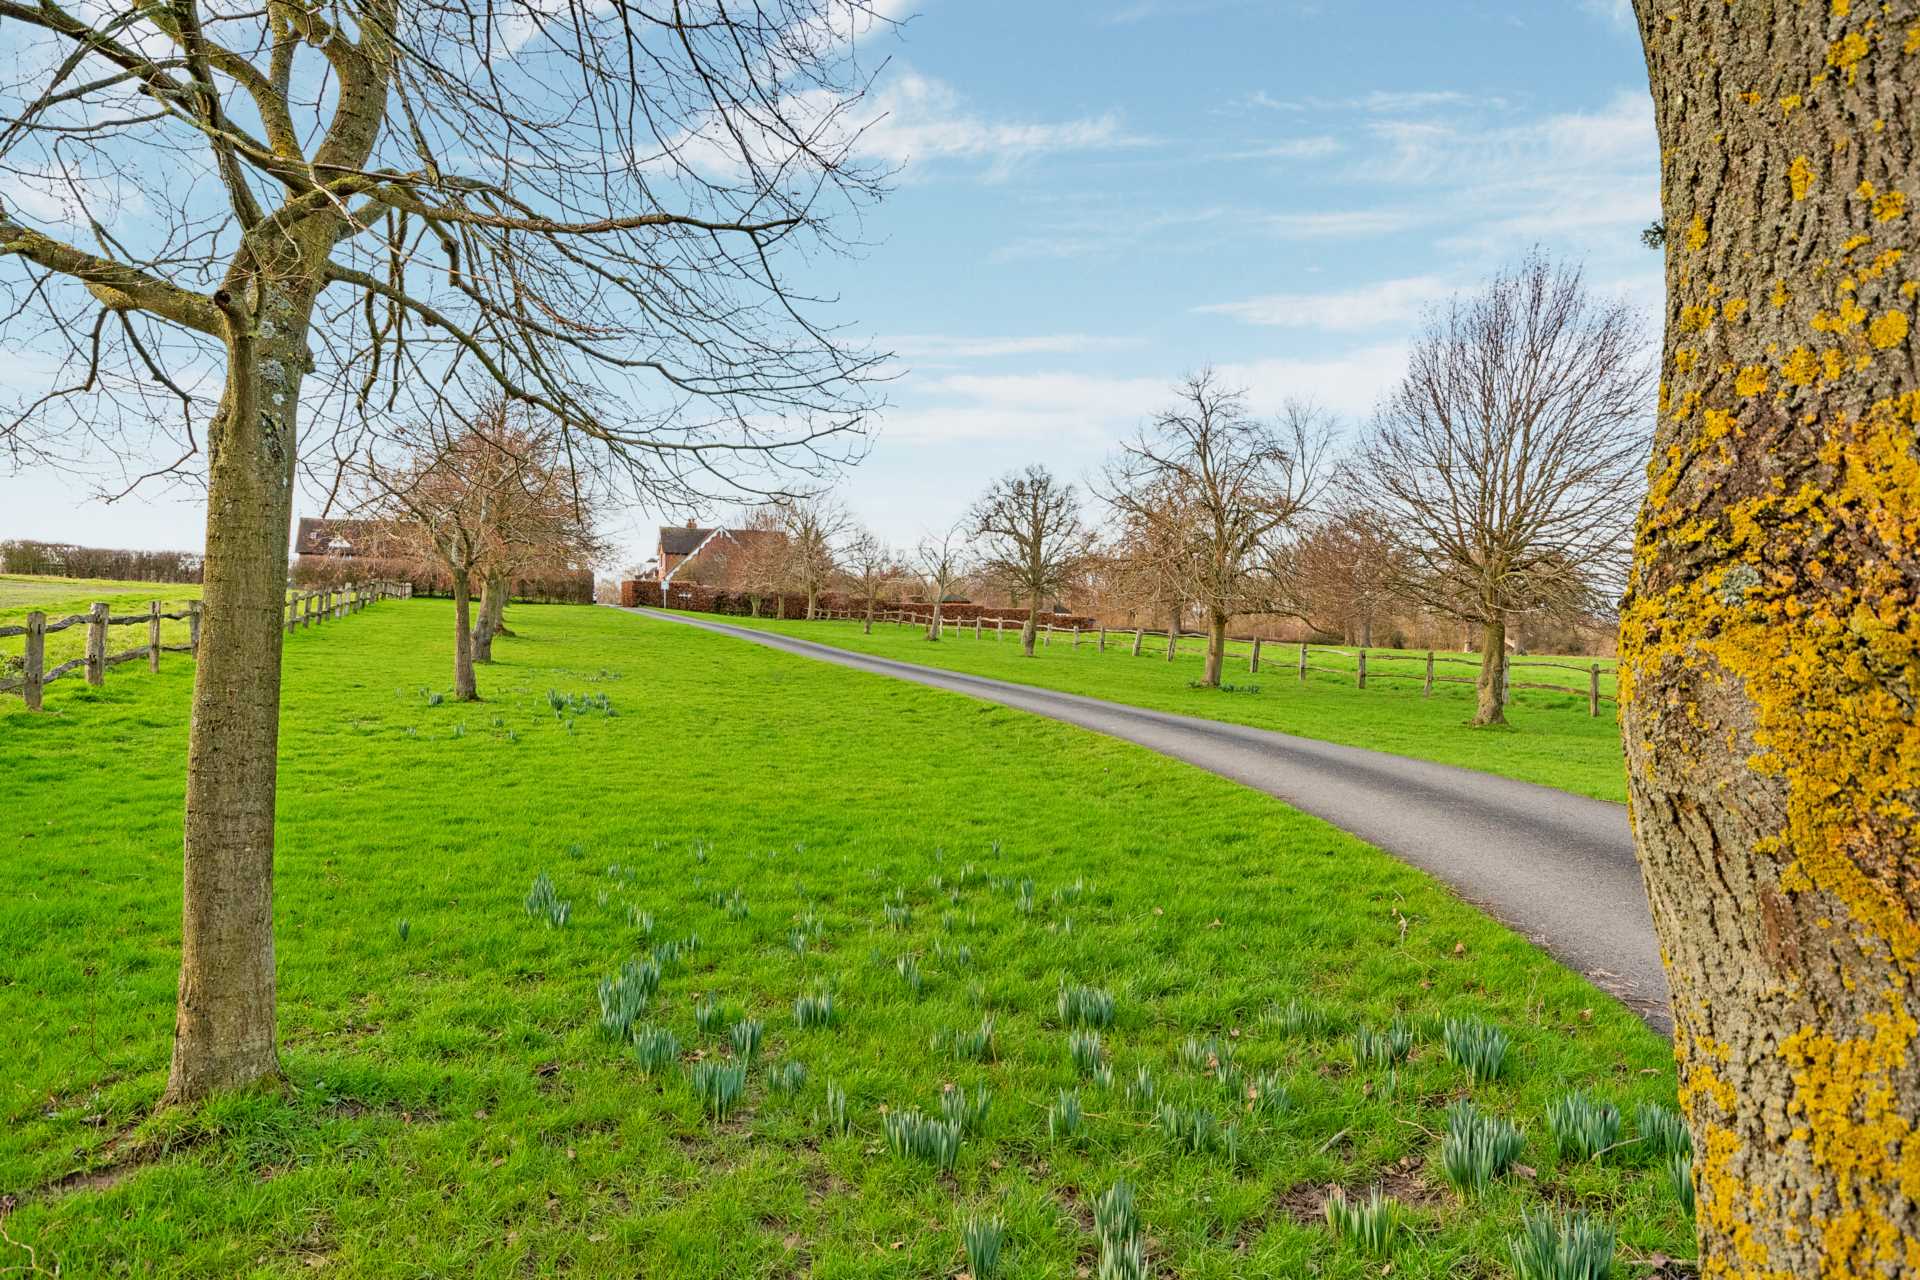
[{"x": 692, "y": 525}]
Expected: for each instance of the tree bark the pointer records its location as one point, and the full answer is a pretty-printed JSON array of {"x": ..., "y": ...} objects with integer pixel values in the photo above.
[
  {"x": 1173, "y": 634},
  {"x": 933, "y": 623},
  {"x": 1493, "y": 668},
  {"x": 812, "y": 598},
  {"x": 868, "y": 628},
  {"x": 1031, "y": 628},
  {"x": 1768, "y": 653},
  {"x": 464, "y": 689},
  {"x": 224, "y": 1023},
  {"x": 1216, "y": 647},
  {"x": 492, "y": 606}
]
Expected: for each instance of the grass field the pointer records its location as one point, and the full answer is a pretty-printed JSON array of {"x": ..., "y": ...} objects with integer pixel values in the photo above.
[
  {"x": 456, "y": 1109},
  {"x": 1550, "y": 738},
  {"x": 60, "y": 597}
]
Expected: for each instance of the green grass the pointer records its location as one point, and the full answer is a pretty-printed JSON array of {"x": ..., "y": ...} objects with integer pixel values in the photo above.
[
  {"x": 58, "y": 598},
  {"x": 455, "y": 1109},
  {"x": 1550, "y": 738}
]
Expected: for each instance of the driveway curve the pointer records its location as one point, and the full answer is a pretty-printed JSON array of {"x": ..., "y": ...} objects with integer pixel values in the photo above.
[{"x": 1556, "y": 867}]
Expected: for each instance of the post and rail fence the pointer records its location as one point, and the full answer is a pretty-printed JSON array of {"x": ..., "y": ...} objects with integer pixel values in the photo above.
[
  {"x": 1368, "y": 664},
  {"x": 302, "y": 609}
]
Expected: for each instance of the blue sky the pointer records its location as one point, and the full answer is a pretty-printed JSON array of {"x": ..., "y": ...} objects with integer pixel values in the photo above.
[{"x": 1096, "y": 197}]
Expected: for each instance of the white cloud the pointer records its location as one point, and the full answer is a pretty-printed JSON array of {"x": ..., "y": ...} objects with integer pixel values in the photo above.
[
  {"x": 916, "y": 119},
  {"x": 940, "y": 346},
  {"x": 1387, "y": 304},
  {"x": 1341, "y": 223},
  {"x": 1309, "y": 148}
]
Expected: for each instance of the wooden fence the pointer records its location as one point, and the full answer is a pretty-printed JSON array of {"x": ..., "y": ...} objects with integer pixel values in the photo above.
[
  {"x": 303, "y": 609},
  {"x": 1367, "y": 664}
]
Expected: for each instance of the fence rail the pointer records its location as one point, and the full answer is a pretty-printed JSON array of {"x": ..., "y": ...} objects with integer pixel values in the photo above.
[
  {"x": 1366, "y": 662},
  {"x": 302, "y": 609}
]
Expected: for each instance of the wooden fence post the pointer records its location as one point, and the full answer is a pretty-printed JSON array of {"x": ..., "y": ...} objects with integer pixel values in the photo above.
[
  {"x": 309, "y": 607},
  {"x": 1360, "y": 671},
  {"x": 1138, "y": 635},
  {"x": 1303, "y": 662},
  {"x": 193, "y": 627},
  {"x": 35, "y": 658},
  {"x": 1593, "y": 690},
  {"x": 1253, "y": 664},
  {"x": 1000, "y": 629},
  {"x": 1048, "y": 642},
  {"x": 1506, "y": 676},
  {"x": 293, "y": 611},
  {"x": 976, "y": 626},
  {"x": 1173, "y": 642},
  {"x": 1103, "y": 637},
  {"x": 1426, "y": 686},
  {"x": 97, "y": 644},
  {"x": 153, "y": 635}
]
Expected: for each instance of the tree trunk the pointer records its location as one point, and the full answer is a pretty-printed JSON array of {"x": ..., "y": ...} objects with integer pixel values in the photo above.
[
  {"x": 812, "y": 597},
  {"x": 868, "y": 628},
  {"x": 1216, "y": 647},
  {"x": 1493, "y": 671},
  {"x": 753, "y": 605},
  {"x": 224, "y": 1021},
  {"x": 1768, "y": 655},
  {"x": 463, "y": 685},
  {"x": 1032, "y": 627},
  {"x": 1173, "y": 634},
  {"x": 1366, "y": 631},
  {"x": 933, "y": 623},
  {"x": 492, "y": 603}
]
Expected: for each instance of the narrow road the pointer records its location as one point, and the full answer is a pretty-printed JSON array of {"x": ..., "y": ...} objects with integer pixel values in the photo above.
[{"x": 1556, "y": 867}]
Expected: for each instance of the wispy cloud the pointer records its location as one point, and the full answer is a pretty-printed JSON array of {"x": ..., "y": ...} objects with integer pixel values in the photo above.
[
  {"x": 918, "y": 120},
  {"x": 940, "y": 346},
  {"x": 1314, "y": 147},
  {"x": 1389, "y": 304}
]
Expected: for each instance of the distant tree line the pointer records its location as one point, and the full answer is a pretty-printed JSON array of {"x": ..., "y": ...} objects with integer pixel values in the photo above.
[{"x": 64, "y": 559}]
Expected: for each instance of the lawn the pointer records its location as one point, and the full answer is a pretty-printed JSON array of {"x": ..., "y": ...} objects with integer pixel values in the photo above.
[
  {"x": 753, "y": 829},
  {"x": 58, "y": 598},
  {"x": 1550, "y": 738}
]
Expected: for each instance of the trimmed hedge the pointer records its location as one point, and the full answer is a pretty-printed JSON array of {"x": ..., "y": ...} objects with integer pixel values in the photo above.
[{"x": 334, "y": 571}]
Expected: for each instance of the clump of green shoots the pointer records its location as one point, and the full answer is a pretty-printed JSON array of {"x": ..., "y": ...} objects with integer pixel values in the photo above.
[
  {"x": 1116, "y": 1226},
  {"x": 1141, "y": 1090},
  {"x": 543, "y": 903},
  {"x": 719, "y": 1086},
  {"x": 1679, "y": 1166},
  {"x": 984, "y": 1239},
  {"x": 967, "y": 1113},
  {"x": 641, "y": 920},
  {"x": 915, "y": 1134},
  {"x": 1023, "y": 898},
  {"x": 1086, "y": 1051},
  {"x": 836, "y": 1119},
  {"x": 1477, "y": 1047},
  {"x": 1477, "y": 1148},
  {"x": 969, "y": 1046},
  {"x": 1065, "y": 1116},
  {"x": 1268, "y": 1095},
  {"x": 624, "y": 997},
  {"x": 1370, "y": 1224},
  {"x": 672, "y": 955},
  {"x": 655, "y": 1048},
  {"x": 1191, "y": 1128},
  {"x": 1582, "y": 1127},
  {"x": 898, "y": 915},
  {"x": 788, "y": 1078},
  {"x": 1210, "y": 1054},
  {"x": 1299, "y": 1017},
  {"x": 745, "y": 1037},
  {"x": 908, "y": 967},
  {"x": 1662, "y": 1130},
  {"x": 736, "y": 905},
  {"x": 1085, "y": 1007},
  {"x": 815, "y": 1010},
  {"x": 709, "y": 1015},
  {"x": 1376, "y": 1048},
  {"x": 403, "y": 928},
  {"x": 1551, "y": 1247}
]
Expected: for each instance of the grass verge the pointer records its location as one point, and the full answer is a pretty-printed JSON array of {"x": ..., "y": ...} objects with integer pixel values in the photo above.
[{"x": 1550, "y": 739}]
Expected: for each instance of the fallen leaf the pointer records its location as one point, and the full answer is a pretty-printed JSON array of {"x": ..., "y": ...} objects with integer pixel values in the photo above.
[{"x": 1459, "y": 948}]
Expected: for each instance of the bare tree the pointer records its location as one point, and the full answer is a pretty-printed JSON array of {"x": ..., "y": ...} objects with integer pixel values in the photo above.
[
  {"x": 814, "y": 526},
  {"x": 1148, "y": 559},
  {"x": 1508, "y": 461},
  {"x": 943, "y": 563},
  {"x": 542, "y": 526},
  {"x": 1214, "y": 487},
  {"x": 1027, "y": 525},
  {"x": 870, "y": 564},
  {"x": 362, "y": 209},
  {"x": 467, "y": 495},
  {"x": 1339, "y": 574}
]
